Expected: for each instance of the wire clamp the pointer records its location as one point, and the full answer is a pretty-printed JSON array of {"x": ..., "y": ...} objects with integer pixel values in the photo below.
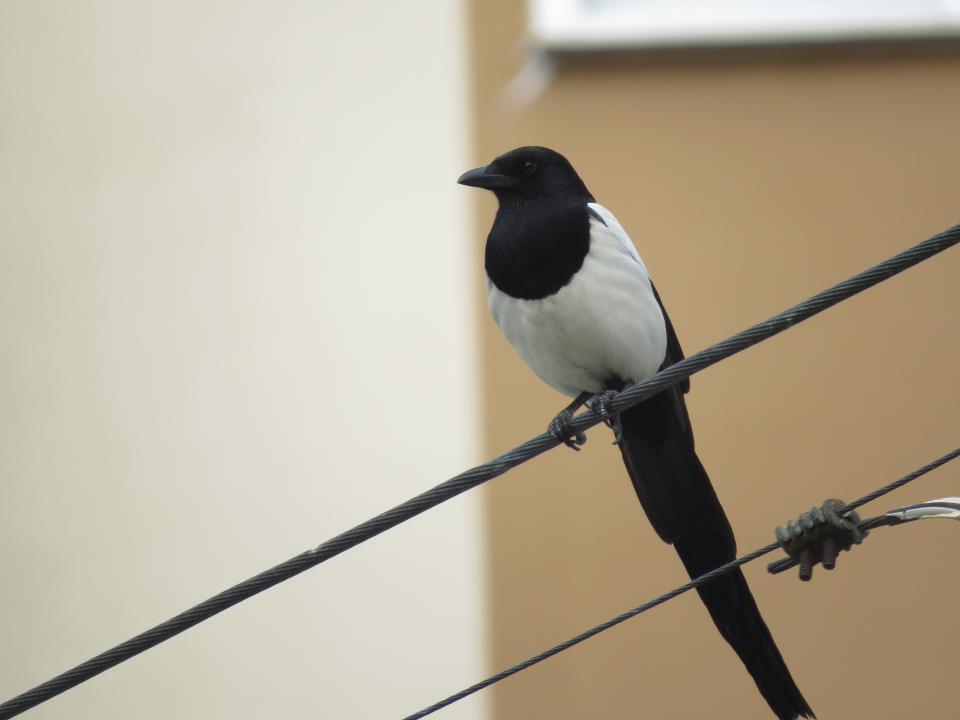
[{"x": 819, "y": 535}]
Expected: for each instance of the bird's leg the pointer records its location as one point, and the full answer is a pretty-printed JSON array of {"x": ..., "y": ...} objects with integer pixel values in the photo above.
[
  {"x": 600, "y": 403},
  {"x": 560, "y": 426}
]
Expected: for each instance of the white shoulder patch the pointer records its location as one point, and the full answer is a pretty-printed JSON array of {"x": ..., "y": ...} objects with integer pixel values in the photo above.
[{"x": 611, "y": 227}]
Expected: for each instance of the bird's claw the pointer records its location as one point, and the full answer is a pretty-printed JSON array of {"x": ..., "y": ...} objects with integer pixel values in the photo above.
[
  {"x": 560, "y": 429},
  {"x": 600, "y": 404}
]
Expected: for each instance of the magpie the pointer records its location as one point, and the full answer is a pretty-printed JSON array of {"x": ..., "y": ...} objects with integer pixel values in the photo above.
[{"x": 567, "y": 287}]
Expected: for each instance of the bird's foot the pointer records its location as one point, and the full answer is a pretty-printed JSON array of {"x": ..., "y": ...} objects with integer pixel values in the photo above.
[
  {"x": 560, "y": 426},
  {"x": 600, "y": 404}
]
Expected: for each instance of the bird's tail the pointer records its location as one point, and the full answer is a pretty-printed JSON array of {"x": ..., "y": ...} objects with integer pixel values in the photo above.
[{"x": 675, "y": 491}]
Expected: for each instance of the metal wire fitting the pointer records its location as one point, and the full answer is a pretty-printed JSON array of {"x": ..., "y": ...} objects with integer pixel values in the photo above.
[{"x": 819, "y": 535}]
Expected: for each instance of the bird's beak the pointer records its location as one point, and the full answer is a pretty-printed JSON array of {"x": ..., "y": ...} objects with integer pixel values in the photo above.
[{"x": 481, "y": 178}]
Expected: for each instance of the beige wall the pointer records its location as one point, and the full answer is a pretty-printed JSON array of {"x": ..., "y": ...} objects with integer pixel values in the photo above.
[
  {"x": 223, "y": 230},
  {"x": 748, "y": 180}
]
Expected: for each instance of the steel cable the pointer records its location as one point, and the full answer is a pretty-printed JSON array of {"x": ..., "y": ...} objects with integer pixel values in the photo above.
[{"x": 478, "y": 475}]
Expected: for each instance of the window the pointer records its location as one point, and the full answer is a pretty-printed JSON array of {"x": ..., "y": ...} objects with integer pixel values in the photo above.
[{"x": 598, "y": 24}]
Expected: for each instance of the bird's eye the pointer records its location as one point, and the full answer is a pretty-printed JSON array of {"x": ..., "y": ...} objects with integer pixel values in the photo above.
[{"x": 529, "y": 167}]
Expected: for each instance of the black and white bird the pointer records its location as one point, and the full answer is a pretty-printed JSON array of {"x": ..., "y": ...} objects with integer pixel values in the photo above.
[{"x": 568, "y": 289}]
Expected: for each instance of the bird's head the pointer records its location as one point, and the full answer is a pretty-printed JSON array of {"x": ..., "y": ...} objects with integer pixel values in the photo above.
[{"x": 528, "y": 174}]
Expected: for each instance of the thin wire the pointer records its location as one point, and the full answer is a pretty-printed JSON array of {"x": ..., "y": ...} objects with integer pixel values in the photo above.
[
  {"x": 706, "y": 577},
  {"x": 478, "y": 475},
  {"x": 897, "y": 484}
]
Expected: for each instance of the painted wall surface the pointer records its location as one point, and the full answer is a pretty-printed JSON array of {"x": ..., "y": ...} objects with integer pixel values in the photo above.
[
  {"x": 223, "y": 232},
  {"x": 748, "y": 180}
]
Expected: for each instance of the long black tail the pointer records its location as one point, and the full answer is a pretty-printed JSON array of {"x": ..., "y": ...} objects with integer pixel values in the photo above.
[{"x": 675, "y": 491}]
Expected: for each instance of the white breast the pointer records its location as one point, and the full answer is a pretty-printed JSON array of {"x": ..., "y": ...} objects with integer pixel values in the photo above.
[{"x": 604, "y": 323}]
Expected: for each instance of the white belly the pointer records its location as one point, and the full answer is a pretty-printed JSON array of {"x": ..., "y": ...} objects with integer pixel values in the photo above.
[{"x": 605, "y": 323}]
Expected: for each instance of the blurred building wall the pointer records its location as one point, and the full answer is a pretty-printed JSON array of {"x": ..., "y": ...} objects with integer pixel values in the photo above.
[
  {"x": 748, "y": 180},
  {"x": 224, "y": 230}
]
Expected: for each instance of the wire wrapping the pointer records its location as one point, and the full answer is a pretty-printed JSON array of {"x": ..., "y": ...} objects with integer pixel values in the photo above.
[
  {"x": 478, "y": 475},
  {"x": 650, "y": 604}
]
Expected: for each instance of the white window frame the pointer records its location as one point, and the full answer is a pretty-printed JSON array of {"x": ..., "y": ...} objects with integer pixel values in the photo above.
[{"x": 576, "y": 25}]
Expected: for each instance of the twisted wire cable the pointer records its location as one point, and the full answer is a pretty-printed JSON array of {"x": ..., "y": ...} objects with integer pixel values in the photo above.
[{"x": 477, "y": 475}]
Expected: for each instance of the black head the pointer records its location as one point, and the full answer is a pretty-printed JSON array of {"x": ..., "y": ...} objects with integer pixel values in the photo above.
[
  {"x": 541, "y": 233},
  {"x": 528, "y": 174}
]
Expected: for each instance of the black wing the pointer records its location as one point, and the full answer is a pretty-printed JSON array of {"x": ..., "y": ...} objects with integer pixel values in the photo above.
[{"x": 674, "y": 351}]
